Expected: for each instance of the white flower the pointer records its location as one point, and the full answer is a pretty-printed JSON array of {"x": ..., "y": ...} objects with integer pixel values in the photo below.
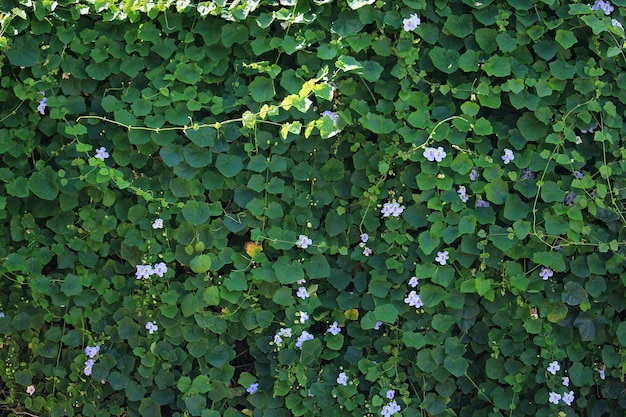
[
  {"x": 303, "y": 316},
  {"x": 151, "y": 327},
  {"x": 566, "y": 381},
  {"x": 442, "y": 257},
  {"x": 285, "y": 332},
  {"x": 413, "y": 282},
  {"x": 364, "y": 237},
  {"x": 303, "y": 242},
  {"x": 158, "y": 224},
  {"x": 160, "y": 269},
  {"x": 101, "y": 153},
  {"x": 554, "y": 367},
  {"x": 30, "y": 390},
  {"x": 302, "y": 293},
  {"x": 554, "y": 398},
  {"x": 508, "y": 156},
  {"x": 143, "y": 271},
  {"x": 568, "y": 397},
  {"x": 411, "y": 22}
]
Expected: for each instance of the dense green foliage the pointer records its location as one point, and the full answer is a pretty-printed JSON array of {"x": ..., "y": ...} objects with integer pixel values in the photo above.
[{"x": 251, "y": 145}]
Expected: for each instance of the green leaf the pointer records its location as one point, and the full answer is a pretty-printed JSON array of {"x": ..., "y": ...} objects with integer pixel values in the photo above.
[
  {"x": 428, "y": 241},
  {"x": 377, "y": 123},
  {"x": 283, "y": 296},
  {"x": 24, "y": 51},
  {"x": 72, "y": 285},
  {"x": 347, "y": 23},
  {"x": 317, "y": 267},
  {"x": 333, "y": 170},
  {"x": 196, "y": 212},
  {"x": 149, "y": 407},
  {"x": 498, "y": 66},
  {"x": 497, "y": 190},
  {"x": 566, "y": 38},
  {"x": 200, "y": 264},
  {"x": 574, "y": 294},
  {"x": 445, "y": 60},
  {"x": 386, "y": 313},
  {"x": 127, "y": 328},
  {"x": 551, "y": 192},
  {"x": 189, "y": 73},
  {"x": 531, "y": 128},
  {"x": 457, "y": 366},
  {"x": 553, "y": 260},
  {"x": 228, "y": 165},
  {"x": 621, "y": 333},
  {"x": 262, "y": 89},
  {"x": 44, "y": 184},
  {"x": 459, "y": 25},
  {"x": 414, "y": 340}
]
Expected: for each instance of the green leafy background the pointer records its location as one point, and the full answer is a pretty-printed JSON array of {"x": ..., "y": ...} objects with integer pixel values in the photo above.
[{"x": 213, "y": 117}]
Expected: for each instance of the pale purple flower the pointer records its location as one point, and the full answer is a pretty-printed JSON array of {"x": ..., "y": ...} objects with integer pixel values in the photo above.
[
  {"x": 577, "y": 174},
  {"x": 554, "y": 398},
  {"x": 42, "y": 103},
  {"x": 303, "y": 338},
  {"x": 88, "y": 366},
  {"x": 508, "y": 156},
  {"x": 602, "y": 373},
  {"x": 364, "y": 237},
  {"x": 413, "y": 282},
  {"x": 331, "y": 115},
  {"x": 367, "y": 251},
  {"x": 462, "y": 191},
  {"x": 554, "y": 367},
  {"x": 442, "y": 257},
  {"x": 414, "y": 300},
  {"x": 433, "y": 154},
  {"x": 390, "y": 394},
  {"x": 302, "y": 293},
  {"x": 378, "y": 325},
  {"x": 565, "y": 381},
  {"x": 285, "y": 332},
  {"x": 304, "y": 316},
  {"x": 473, "y": 174},
  {"x": 158, "y": 224},
  {"x": 303, "y": 242},
  {"x": 160, "y": 269},
  {"x": 579, "y": 140},
  {"x": 342, "y": 379},
  {"x": 392, "y": 209},
  {"x": 334, "y": 329},
  {"x": 301, "y": 281},
  {"x": 617, "y": 24},
  {"x": 568, "y": 397},
  {"x": 569, "y": 198},
  {"x": 482, "y": 203},
  {"x": 254, "y": 387},
  {"x": 30, "y": 390},
  {"x": 545, "y": 274},
  {"x": 92, "y": 351},
  {"x": 412, "y": 22},
  {"x": 151, "y": 327},
  {"x": 277, "y": 339},
  {"x": 101, "y": 153}
]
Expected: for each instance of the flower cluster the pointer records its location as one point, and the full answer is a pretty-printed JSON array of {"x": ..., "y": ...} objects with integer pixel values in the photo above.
[
  {"x": 151, "y": 327},
  {"x": 392, "y": 209},
  {"x": 101, "y": 153},
  {"x": 605, "y": 6},
  {"x": 411, "y": 23},
  {"x": 433, "y": 154},
  {"x": 414, "y": 300},
  {"x": 283, "y": 332},
  {"x": 462, "y": 191},
  {"x": 303, "y": 241},
  {"x": 390, "y": 409},
  {"x": 145, "y": 271},
  {"x": 42, "y": 103},
  {"x": 555, "y": 397},
  {"x": 303, "y": 338},
  {"x": 364, "y": 238},
  {"x": 91, "y": 352}
]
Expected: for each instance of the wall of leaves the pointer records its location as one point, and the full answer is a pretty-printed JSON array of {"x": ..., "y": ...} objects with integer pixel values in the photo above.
[{"x": 312, "y": 207}]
